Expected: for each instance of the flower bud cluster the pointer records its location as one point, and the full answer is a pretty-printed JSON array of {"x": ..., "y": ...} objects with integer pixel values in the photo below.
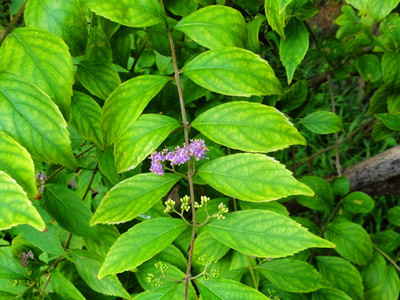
[
  {"x": 222, "y": 209},
  {"x": 24, "y": 258},
  {"x": 179, "y": 156},
  {"x": 40, "y": 179},
  {"x": 203, "y": 202}
]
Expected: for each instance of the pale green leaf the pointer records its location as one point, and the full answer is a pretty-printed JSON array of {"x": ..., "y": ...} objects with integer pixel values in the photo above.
[
  {"x": 88, "y": 265},
  {"x": 215, "y": 26},
  {"x": 330, "y": 294},
  {"x": 85, "y": 118},
  {"x": 30, "y": 117},
  {"x": 393, "y": 215},
  {"x": 182, "y": 7},
  {"x": 233, "y": 71},
  {"x": 140, "y": 243},
  {"x": 127, "y": 102},
  {"x": 98, "y": 77},
  {"x": 352, "y": 241},
  {"x": 294, "y": 46},
  {"x": 17, "y": 162},
  {"x": 138, "y": 13},
  {"x": 132, "y": 197},
  {"x": 10, "y": 268},
  {"x": 380, "y": 9},
  {"x": 42, "y": 58},
  {"x": 253, "y": 29},
  {"x": 358, "y": 202},
  {"x": 361, "y": 5},
  {"x": 68, "y": 210},
  {"x": 263, "y": 233},
  {"x": 283, "y": 4},
  {"x": 15, "y": 206},
  {"x": 322, "y": 122},
  {"x": 293, "y": 275},
  {"x": 64, "y": 18},
  {"x": 251, "y": 177},
  {"x": 63, "y": 287},
  {"x": 248, "y": 126},
  {"x": 224, "y": 289},
  {"x": 275, "y": 16},
  {"x": 342, "y": 275},
  {"x": 206, "y": 249},
  {"x": 141, "y": 139}
]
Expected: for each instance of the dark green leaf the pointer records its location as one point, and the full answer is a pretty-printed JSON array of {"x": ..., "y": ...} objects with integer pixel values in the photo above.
[
  {"x": 260, "y": 233},
  {"x": 358, "y": 202},
  {"x": 322, "y": 122},
  {"x": 390, "y": 72},
  {"x": 248, "y": 126},
  {"x": 215, "y": 26},
  {"x": 369, "y": 67},
  {"x": 10, "y": 268},
  {"x": 127, "y": 102},
  {"x": 63, "y": 287},
  {"x": 330, "y": 294},
  {"x": 181, "y": 8},
  {"x": 98, "y": 46},
  {"x": 15, "y": 206},
  {"x": 132, "y": 197},
  {"x": 141, "y": 139},
  {"x": 140, "y": 243},
  {"x": 393, "y": 215},
  {"x": 233, "y": 71},
  {"x": 140, "y": 13},
  {"x": 293, "y": 275},
  {"x": 391, "y": 120},
  {"x": 251, "y": 177},
  {"x": 64, "y": 18},
  {"x": 207, "y": 249},
  {"x": 42, "y": 58},
  {"x": 253, "y": 29}
]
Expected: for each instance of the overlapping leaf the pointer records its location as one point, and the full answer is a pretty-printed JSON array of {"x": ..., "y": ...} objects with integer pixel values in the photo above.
[
  {"x": 215, "y": 26},
  {"x": 251, "y": 177},
  {"x": 30, "y": 117},
  {"x": 42, "y": 58},
  {"x": 132, "y": 197},
  {"x": 275, "y": 13},
  {"x": 17, "y": 162},
  {"x": 138, "y": 13},
  {"x": 233, "y": 71},
  {"x": 263, "y": 233},
  {"x": 248, "y": 126},
  {"x": 141, "y": 139},
  {"x": 10, "y": 268},
  {"x": 207, "y": 249},
  {"x": 15, "y": 206},
  {"x": 127, "y": 102},
  {"x": 64, "y": 18},
  {"x": 358, "y": 202},
  {"x": 140, "y": 243},
  {"x": 63, "y": 287},
  {"x": 322, "y": 122}
]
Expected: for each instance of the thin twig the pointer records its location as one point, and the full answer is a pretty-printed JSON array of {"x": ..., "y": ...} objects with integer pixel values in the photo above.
[
  {"x": 90, "y": 181},
  {"x": 337, "y": 161},
  {"x": 142, "y": 46},
  {"x": 253, "y": 277},
  {"x": 13, "y": 22},
  {"x": 388, "y": 258}
]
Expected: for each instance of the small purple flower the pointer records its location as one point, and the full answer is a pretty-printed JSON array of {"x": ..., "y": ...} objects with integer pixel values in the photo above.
[
  {"x": 181, "y": 156},
  {"x": 40, "y": 179},
  {"x": 198, "y": 148},
  {"x": 156, "y": 166},
  {"x": 24, "y": 258}
]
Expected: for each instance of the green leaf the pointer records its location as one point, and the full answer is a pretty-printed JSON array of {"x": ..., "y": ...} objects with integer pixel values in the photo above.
[
  {"x": 10, "y": 268},
  {"x": 132, "y": 197},
  {"x": 390, "y": 120},
  {"x": 141, "y": 139},
  {"x": 390, "y": 72},
  {"x": 63, "y": 287},
  {"x": 260, "y": 233},
  {"x": 380, "y": 10},
  {"x": 272, "y": 206},
  {"x": 181, "y": 8},
  {"x": 15, "y": 205},
  {"x": 65, "y": 19},
  {"x": 352, "y": 241},
  {"x": 248, "y": 126},
  {"x": 358, "y": 202},
  {"x": 233, "y": 71},
  {"x": 330, "y": 294},
  {"x": 85, "y": 118},
  {"x": 323, "y": 198},
  {"x": 215, "y": 26},
  {"x": 293, "y": 275},
  {"x": 206, "y": 249},
  {"x": 174, "y": 256},
  {"x": 98, "y": 77},
  {"x": 127, "y": 102},
  {"x": 251, "y": 177},
  {"x": 42, "y": 58},
  {"x": 140, "y": 243},
  {"x": 322, "y": 122},
  {"x": 393, "y": 216},
  {"x": 68, "y": 210},
  {"x": 17, "y": 162},
  {"x": 275, "y": 16},
  {"x": 214, "y": 289},
  {"x": 98, "y": 46},
  {"x": 88, "y": 265},
  {"x": 109, "y": 234},
  {"x": 380, "y": 281},
  {"x": 388, "y": 240},
  {"x": 341, "y": 186},
  {"x": 253, "y": 29},
  {"x": 33, "y": 120},
  {"x": 294, "y": 46},
  {"x": 139, "y": 13},
  {"x": 369, "y": 67},
  {"x": 342, "y": 275}
]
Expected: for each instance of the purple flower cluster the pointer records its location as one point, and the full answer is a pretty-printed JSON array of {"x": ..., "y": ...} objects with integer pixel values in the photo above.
[
  {"x": 179, "y": 156},
  {"x": 40, "y": 179},
  {"x": 24, "y": 258}
]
